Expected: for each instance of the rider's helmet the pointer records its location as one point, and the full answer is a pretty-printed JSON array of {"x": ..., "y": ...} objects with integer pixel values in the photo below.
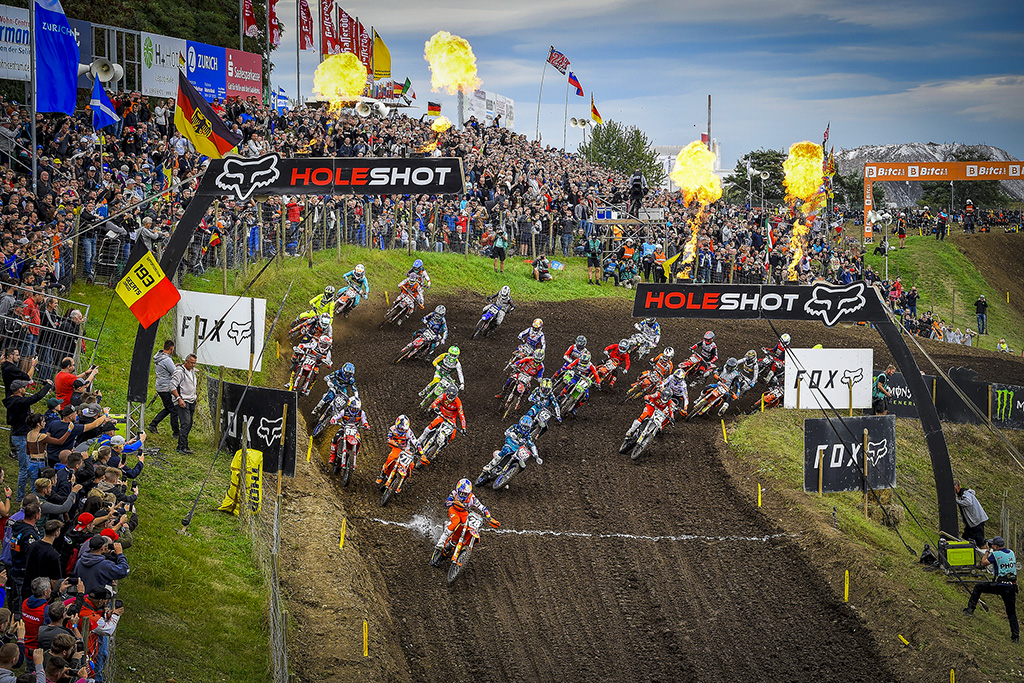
[
  {"x": 537, "y": 324},
  {"x": 451, "y": 391},
  {"x": 750, "y": 359},
  {"x": 538, "y": 355},
  {"x": 402, "y": 423},
  {"x": 329, "y": 292},
  {"x": 669, "y": 352},
  {"x": 709, "y": 337},
  {"x": 505, "y": 292},
  {"x": 451, "y": 359},
  {"x": 359, "y": 271},
  {"x": 623, "y": 346},
  {"x": 969, "y": 201},
  {"x": 629, "y": 240},
  {"x": 525, "y": 425},
  {"x": 581, "y": 343},
  {"x": 585, "y": 357},
  {"x": 464, "y": 488},
  {"x": 325, "y": 322},
  {"x": 354, "y": 404},
  {"x": 650, "y": 321},
  {"x": 661, "y": 396},
  {"x": 440, "y": 310},
  {"x": 731, "y": 364},
  {"x": 545, "y": 386},
  {"x": 785, "y": 339},
  {"x": 325, "y": 340},
  {"x": 417, "y": 266},
  {"x": 348, "y": 371},
  {"x": 679, "y": 375}
]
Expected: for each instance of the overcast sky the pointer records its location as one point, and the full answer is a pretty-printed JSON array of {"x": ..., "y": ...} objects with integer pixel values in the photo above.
[{"x": 882, "y": 71}]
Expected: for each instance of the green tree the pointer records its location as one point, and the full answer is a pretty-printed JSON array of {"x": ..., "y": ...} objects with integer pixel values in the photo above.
[
  {"x": 984, "y": 194},
  {"x": 623, "y": 149},
  {"x": 734, "y": 187}
]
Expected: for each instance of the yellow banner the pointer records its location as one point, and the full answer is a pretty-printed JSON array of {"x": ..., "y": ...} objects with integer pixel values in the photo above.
[
  {"x": 381, "y": 58},
  {"x": 141, "y": 278},
  {"x": 252, "y": 483}
]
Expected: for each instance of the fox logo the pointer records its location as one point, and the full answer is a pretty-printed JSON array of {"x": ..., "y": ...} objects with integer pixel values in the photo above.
[
  {"x": 239, "y": 332},
  {"x": 877, "y": 451},
  {"x": 850, "y": 377},
  {"x": 832, "y": 303},
  {"x": 269, "y": 430},
  {"x": 242, "y": 177}
]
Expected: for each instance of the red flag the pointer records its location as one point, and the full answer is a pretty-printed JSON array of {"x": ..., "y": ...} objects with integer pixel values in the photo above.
[
  {"x": 704, "y": 138},
  {"x": 275, "y": 26},
  {"x": 251, "y": 29},
  {"x": 365, "y": 45},
  {"x": 825, "y": 137},
  {"x": 305, "y": 26},
  {"x": 328, "y": 30},
  {"x": 346, "y": 38},
  {"x": 558, "y": 60}
]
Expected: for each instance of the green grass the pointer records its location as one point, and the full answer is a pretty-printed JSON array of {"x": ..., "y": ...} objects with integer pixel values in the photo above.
[
  {"x": 938, "y": 270},
  {"x": 772, "y": 444}
]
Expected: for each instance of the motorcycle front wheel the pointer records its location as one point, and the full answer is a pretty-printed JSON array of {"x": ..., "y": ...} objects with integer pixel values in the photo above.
[{"x": 456, "y": 567}]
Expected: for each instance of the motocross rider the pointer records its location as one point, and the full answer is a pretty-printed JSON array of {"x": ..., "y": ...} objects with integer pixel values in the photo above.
[
  {"x": 739, "y": 378},
  {"x": 317, "y": 326},
  {"x": 584, "y": 366},
  {"x": 341, "y": 381},
  {"x": 656, "y": 400},
  {"x": 503, "y": 301},
  {"x": 542, "y": 397},
  {"x": 533, "y": 336},
  {"x": 418, "y": 276},
  {"x": 531, "y": 365},
  {"x": 649, "y": 334},
  {"x": 400, "y": 438},
  {"x": 619, "y": 352},
  {"x": 318, "y": 346},
  {"x": 515, "y": 436},
  {"x": 460, "y": 501},
  {"x": 571, "y": 354},
  {"x": 448, "y": 407},
  {"x": 779, "y": 352},
  {"x": 353, "y": 414},
  {"x": 357, "y": 278},
  {"x": 436, "y": 323},
  {"x": 675, "y": 384},
  {"x": 446, "y": 366},
  {"x": 321, "y": 304},
  {"x": 662, "y": 363},
  {"x": 708, "y": 352}
]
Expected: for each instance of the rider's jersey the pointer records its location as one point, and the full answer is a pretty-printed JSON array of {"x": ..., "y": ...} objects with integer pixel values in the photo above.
[
  {"x": 450, "y": 410},
  {"x": 403, "y": 440},
  {"x": 321, "y": 307},
  {"x": 571, "y": 353},
  {"x": 502, "y": 302},
  {"x": 362, "y": 285},
  {"x": 612, "y": 351},
  {"x": 591, "y": 369},
  {"x": 314, "y": 347},
  {"x": 655, "y": 400},
  {"x": 650, "y": 330},
  {"x": 421, "y": 277},
  {"x": 662, "y": 364},
  {"x": 513, "y": 437},
  {"x": 411, "y": 286},
  {"x": 436, "y": 324},
  {"x": 779, "y": 352},
  {"x": 533, "y": 338},
  {"x": 442, "y": 370},
  {"x": 342, "y": 385},
  {"x": 709, "y": 355},
  {"x": 352, "y": 417},
  {"x": 530, "y": 366},
  {"x": 465, "y": 504},
  {"x": 540, "y": 401}
]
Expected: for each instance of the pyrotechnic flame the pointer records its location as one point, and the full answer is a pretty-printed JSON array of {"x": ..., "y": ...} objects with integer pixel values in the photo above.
[
  {"x": 429, "y": 147},
  {"x": 440, "y": 124},
  {"x": 452, "y": 63},
  {"x": 341, "y": 79},
  {"x": 694, "y": 173},
  {"x": 803, "y": 184}
]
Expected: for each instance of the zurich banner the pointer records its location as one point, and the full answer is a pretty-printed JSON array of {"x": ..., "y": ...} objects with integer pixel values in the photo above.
[
  {"x": 56, "y": 59},
  {"x": 207, "y": 69}
]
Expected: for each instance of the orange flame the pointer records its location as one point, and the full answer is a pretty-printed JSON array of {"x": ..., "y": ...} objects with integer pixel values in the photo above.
[
  {"x": 694, "y": 173},
  {"x": 440, "y": 124},
  {"x": 452, "y": 63},
  {"x": 428, "y": 147},
  {"x": 341, "y": 79},
  {"x": 803, "y": 183}
]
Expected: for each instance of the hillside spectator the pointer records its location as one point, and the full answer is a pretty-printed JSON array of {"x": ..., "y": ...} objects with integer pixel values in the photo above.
[
  {"x": 163, "y": 365},
  {"x": 19, "y": 405},
  {"x": 97, "y": 624},
  {"x": 183, "y": 389},
  {"x": 880, "y": 393},
  {"x": 23, "y": 535},
  {"x": 10, "y": 369},
  {"x": 101, "y": 562},
  {"x": 64, "y": 382},
  {"x": 981, "y": 309},
  {"x": 973, "y": 514}
]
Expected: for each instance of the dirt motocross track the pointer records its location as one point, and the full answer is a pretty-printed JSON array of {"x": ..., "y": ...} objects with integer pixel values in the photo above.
[{"x": 652, "y": 571}]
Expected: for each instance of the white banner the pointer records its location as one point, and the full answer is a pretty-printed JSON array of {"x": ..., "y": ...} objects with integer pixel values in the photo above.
[
  {"x": 485, "y": 106},
  {"x": 229, "y": 343},
  {"x": 160, "y": 59},
  {"x": 14, "y": 39},
  {"x": 826, "y": 377}
]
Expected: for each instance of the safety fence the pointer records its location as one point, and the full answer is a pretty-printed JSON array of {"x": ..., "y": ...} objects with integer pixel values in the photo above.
[{"x": 44, "y": 331}]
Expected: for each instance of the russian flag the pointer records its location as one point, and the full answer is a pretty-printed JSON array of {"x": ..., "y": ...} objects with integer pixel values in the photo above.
[{"x": 575, "y": 82}]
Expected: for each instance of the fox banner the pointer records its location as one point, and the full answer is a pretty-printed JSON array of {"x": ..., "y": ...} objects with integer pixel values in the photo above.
[
  {"x": 828, "y": 378},
  {"x": 829, "y": 304},
  {"x": 260, "y": 416},
  {"x": 838, "y": 446},
  {"x": 221, "y": 330}
]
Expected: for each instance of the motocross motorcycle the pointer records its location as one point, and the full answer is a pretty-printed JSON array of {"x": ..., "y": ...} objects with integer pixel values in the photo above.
[
  {"x": 304, "y": 329},
  {"x": 488, "y": 321},
  {"x": 345, "y": 460},
  {"x": 540, "y": 422},
  {"x": 644, "y": 435},
  {"x": 508, "y": 466},
  {"x": 692, "y": 367},
  {"x": 515, "y": 391},
  {"x": 304, "y": 374},
  {"x": 459, "y": 547},
  {"x": 400, "y": 471},
  {"x": 577, "y": 386},
  {"x": 435, "y": 393},
  {"x": 606, "y": 371},
  {"x": 346, "y": 302},
  {"x": 403, "y": 307},
  {"x": 714, "y": 395},
  {"x": 334, "y": 408},
  {"x": 521, "y": 352},
  {"x": 772, "y": 398},
  {"x": 770, "y": 368},
  {"x": 437, "y": 439},
  {"x": 420, "y": 347},
  {"x": 643, "y": 386}
]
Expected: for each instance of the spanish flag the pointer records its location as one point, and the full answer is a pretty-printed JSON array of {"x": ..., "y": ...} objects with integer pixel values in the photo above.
[
  {"x": 195, "y": 119},
  {"x": 594, "y": 114},
  {"x": 145, "y": 289}
]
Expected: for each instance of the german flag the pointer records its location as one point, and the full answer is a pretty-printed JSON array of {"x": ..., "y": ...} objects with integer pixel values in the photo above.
[
  {"x": 195, "y": 119},
  {"x": 433, "y": 109},
  {"x": 145, "y": 289}
]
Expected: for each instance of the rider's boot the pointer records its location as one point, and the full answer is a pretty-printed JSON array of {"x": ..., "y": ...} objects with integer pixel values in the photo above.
[
  {"x": 725, "y": 407},
  {"x": 632, "y": 428},
  {"x": 445, "y": 535}
]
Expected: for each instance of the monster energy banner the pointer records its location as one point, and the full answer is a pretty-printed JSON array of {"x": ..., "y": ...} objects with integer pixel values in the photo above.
[
  {"x": 1007, "y": 400},
  {"x": 1008, "y": 406}
]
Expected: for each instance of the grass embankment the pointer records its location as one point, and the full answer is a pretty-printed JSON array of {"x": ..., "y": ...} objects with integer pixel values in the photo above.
[
  {"x": 196, "y": 604},
  {"x": 944, "y": 277},
  {"x": 771, "y": 445}
]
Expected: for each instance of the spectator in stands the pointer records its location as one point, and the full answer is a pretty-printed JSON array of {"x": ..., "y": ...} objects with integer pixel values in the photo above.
[{"x": 64, "y": 382}]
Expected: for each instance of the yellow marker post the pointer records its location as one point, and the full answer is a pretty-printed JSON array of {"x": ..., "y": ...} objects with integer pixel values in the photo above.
[
  {"x": 1007, "y": 301},
  {"x": 341, "y": 543},
  {"x": 278, "y": 350},
  {"x": 906, "y": 643},
  {"x": 386, "y": 299},
  {"x": 762, "y": 403},
  {"x": 846, "y": 587},
  {"x": 758, "y": 495},
  {"x": 952, "y": 676},
  {"x": 366, "y": 639},
  {"x": 724, "y": 435},
  {"x": 309, "y": 451}
]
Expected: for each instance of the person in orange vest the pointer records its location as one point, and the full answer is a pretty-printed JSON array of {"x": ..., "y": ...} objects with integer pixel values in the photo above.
[
  {"x": 969, "y": 217},
  {"x": 627, "y": 250},
  {"x": 97, "y": 622},
  {"x": 659, "y": 263}
]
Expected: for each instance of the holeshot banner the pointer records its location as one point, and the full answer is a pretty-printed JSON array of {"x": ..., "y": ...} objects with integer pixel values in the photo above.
[
  {"x": 260, "y": 415},
  {"x": 838, "y": 445},
  {"x": 823, "y": 302}
]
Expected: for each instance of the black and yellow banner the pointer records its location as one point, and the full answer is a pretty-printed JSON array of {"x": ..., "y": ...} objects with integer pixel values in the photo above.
[
  {"x": 195, "y": 119},
  {"x": 145, "y": 289},
  {"x": 246, "y": 486}
]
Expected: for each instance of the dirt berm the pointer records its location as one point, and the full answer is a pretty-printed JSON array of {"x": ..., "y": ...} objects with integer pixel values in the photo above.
[{"x": 607, "y": 570}]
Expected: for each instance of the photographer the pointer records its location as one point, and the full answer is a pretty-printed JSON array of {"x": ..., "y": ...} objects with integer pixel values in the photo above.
[
  {"x": 1003, "y": 584},
  {"x": 101, "y": 562},
  {"x": 98, "y": 620}
]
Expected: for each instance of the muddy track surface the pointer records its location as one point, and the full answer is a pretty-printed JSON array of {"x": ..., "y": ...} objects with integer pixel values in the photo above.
[{"x": 653, "y": 571}]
